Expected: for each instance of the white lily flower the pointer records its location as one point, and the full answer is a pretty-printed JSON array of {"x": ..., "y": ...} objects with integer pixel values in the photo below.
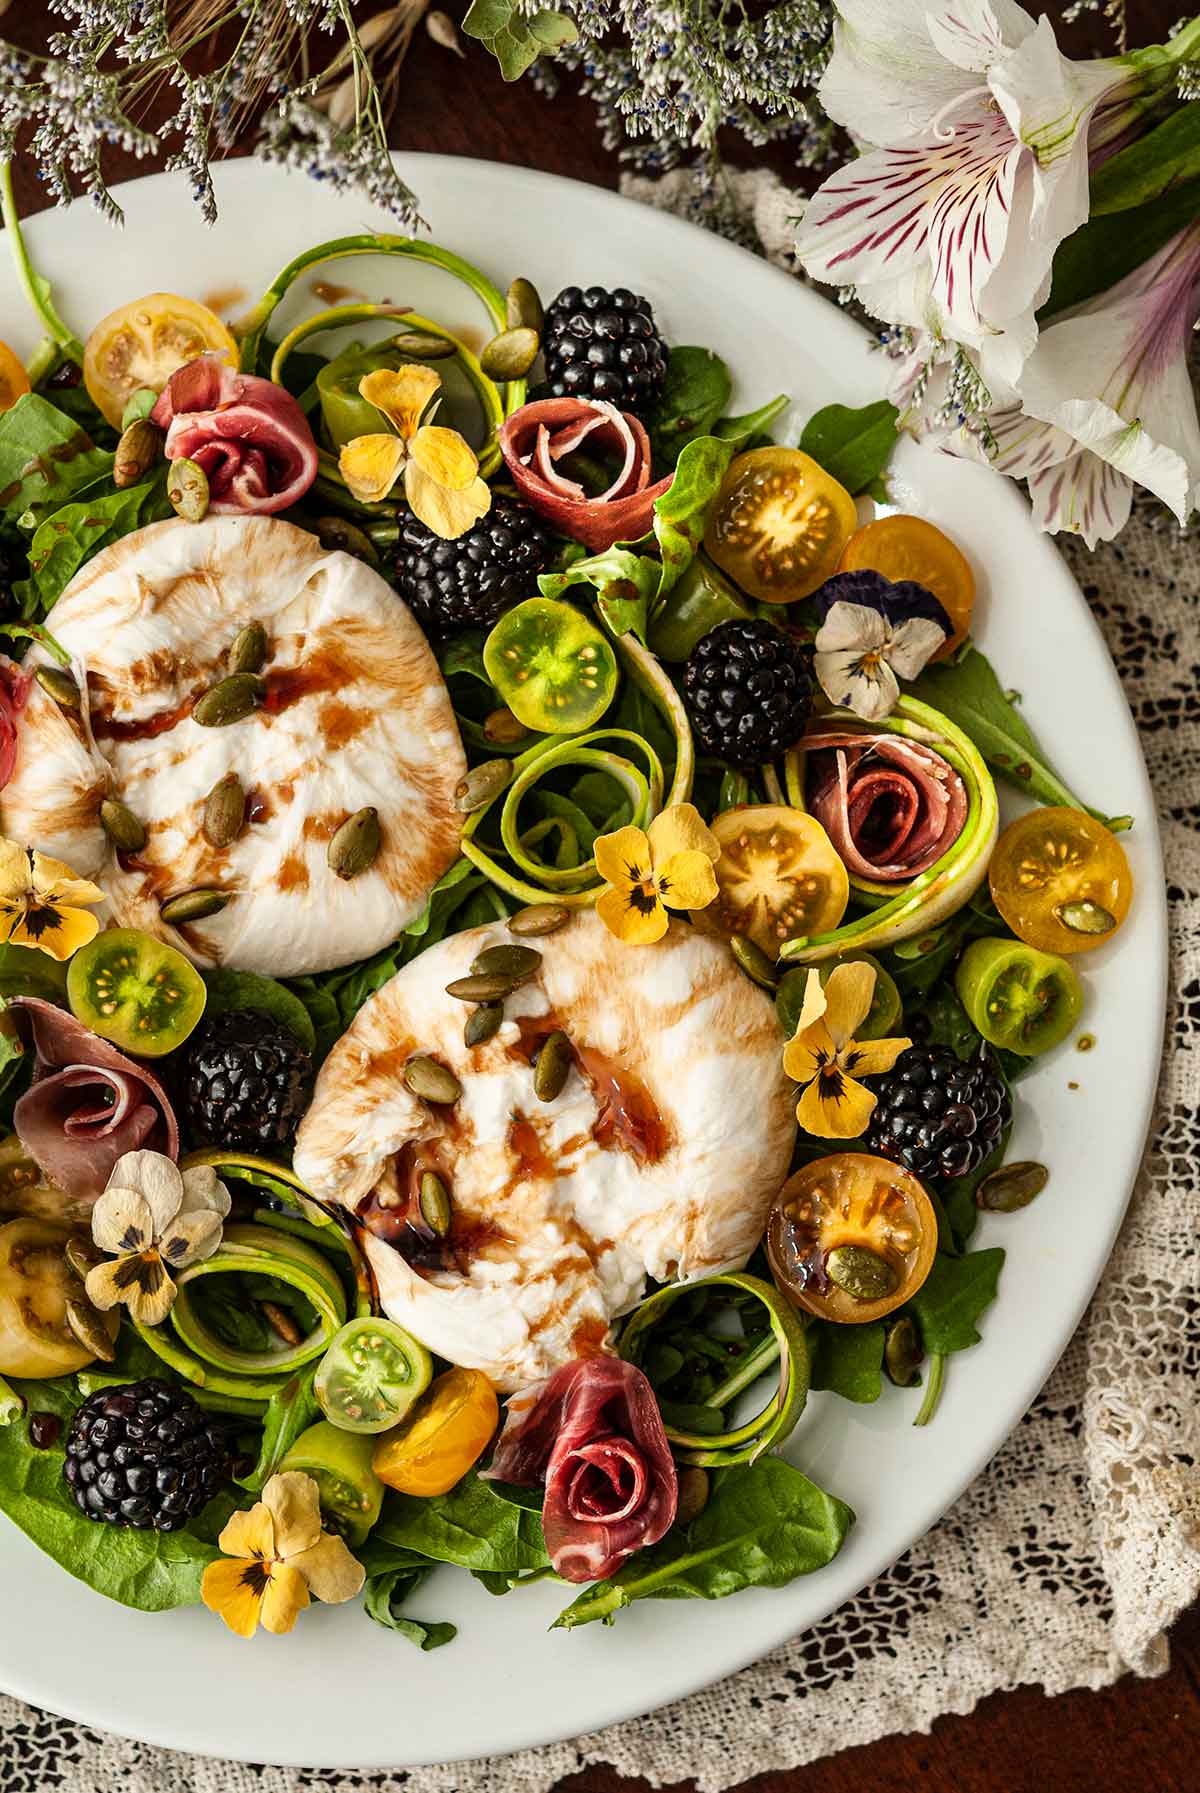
[
  {"x": 860, "y": 657},
  {"x": 153, "y": 1218},
  {"x": 954, "y": 222}
]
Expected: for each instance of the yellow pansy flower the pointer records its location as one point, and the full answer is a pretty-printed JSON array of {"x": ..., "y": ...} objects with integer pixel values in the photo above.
[
  {"x": 826, "y": 1058},
  {"x": 670, "y": 866},
  {"x": 441, "y": 473},
  {"x": 43, "y": 904},
  {"x": 275, "y": 1556}
]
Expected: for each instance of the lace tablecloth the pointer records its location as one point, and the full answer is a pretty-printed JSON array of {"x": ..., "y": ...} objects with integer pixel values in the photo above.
[{"x": 1067, "y": 1560}]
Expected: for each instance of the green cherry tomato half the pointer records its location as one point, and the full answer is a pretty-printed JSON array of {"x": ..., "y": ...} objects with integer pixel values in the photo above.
[
  {"x": 339, "y": 1463},
  {"x": 553, "y": 668},
  {"x": 1018, "y": 997},
  {"x": 883, "y": 1016},
  {"x": 372, "y": 1373},
  {"x": 136, "y": 991}
]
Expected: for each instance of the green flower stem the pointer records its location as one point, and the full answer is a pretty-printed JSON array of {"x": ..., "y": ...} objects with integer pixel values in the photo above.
[
  {"x": 35, "y": 286},
  {"x": 933, "y": 1389}
]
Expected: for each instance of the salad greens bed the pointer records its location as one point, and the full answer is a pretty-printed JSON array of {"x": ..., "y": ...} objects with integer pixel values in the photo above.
[{"x": 964, "y": 958}]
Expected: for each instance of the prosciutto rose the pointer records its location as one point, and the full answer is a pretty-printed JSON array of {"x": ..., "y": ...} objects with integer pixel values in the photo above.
[
  {"x": 249, "y": 435},
  {"x": 592, "y": 1433},
  {"x": 87, "y": 1105},
  {"x": 14, "y": 689},
  {"x": 540, "y": 435},
  {"x": 890, "y": 806}
]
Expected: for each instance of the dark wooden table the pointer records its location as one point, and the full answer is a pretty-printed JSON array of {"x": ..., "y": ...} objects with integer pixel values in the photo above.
[{"x": 1140, "y": 1736}]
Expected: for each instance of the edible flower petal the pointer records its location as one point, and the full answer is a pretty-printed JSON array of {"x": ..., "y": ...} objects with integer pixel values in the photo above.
[
  {"x": 151, "y": 1219},
  {"x": 370, "y": 466},
  {"x": 825, "y": 1057},
  {"x": 403, "y": 395},
  {"x": 43, "y": 904},
  {"x": 448, "y": 511},
  {"x": 670, "y": 867},
  {"x": 860, "y": 655},
  {"x": 440, "y": 469},
  {"x": 275, "y": 1556}
]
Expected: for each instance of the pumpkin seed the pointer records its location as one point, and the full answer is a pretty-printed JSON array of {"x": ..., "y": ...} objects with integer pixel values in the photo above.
[
  {"x": 422, "y": 346},
  {"x": 281, "y": 1323},
  {"x": 902, "y": 1351},
  {"x": 538, "y": 919},
  {"x": 249, "y": 650},
  {"x": 1085, "y": 917},
  {"x": 502, "y": 727},
  {"x": 693, "y": 1495},
  {"x": 231, "y": 699},
  {"x": 493, "y": 988},
  {"x": 482, "y": 1023},
  {"x": 434, "y": 1201},
  {"x": 430, "y": 1079},
  {"x": 552, "y": 1066},
  {"x": 59, "y": 684},
  {"x": 517, "y": 963},
  {"x": 90, "y": 1330},
  {"x": 355, "y": 846},
  {"x": 754, "y": 962},
  {"x": 139, "y": 404},
  {"x": 1011, "y": 1187},
  {"x": 482, "y": 785},
  {"x": 140, "y": 446},
  {"x": 193, "y": 905},
  {"x": 510, "y": 355},
  {"x": 187, "y": 490},
  {"x": 81, "y": 1255},
  {"x": 861, "y": 1273},
  {"x": 337, "y": 532},
  {"x": 523, "y": 309},
  {"x": 224, "y": 812},
  {"x": 122, "y": 827}
]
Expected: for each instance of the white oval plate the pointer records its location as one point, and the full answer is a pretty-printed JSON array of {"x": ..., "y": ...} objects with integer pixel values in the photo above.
[{"x": 340, "y": 1690}]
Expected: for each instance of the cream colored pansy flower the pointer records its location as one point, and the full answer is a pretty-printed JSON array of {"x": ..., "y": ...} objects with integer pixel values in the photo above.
[
  {"x": 43, "y": 904},
  {"x": 826, "y": 1058},
  {"x": 275, "y": 1557},
  {"x": 440, "y": 471},
  {"x": 153, "y": 1218}
]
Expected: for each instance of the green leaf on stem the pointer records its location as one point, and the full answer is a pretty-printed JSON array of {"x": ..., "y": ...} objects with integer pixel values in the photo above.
[
  {"x": 515, "y": 39},
  {"x": 854, "y": 445}
]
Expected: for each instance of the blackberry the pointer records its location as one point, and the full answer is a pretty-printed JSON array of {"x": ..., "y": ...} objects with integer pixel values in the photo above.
[
  {"x": 938, "y": 1115},
  {"x": 748, "y": 691},
  {"x": 601, "y": 344},
  {"x": 247, "y": 1081},
  {"x": 144, "y": 1456},
  {"x": 468, "y": 582}
]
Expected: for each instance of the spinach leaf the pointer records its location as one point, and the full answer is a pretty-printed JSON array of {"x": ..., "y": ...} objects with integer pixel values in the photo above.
[
  {"x": 247, "y": 990},
  {"x": 471, "y": 1526},
  {"x": 852, "y": 445},
  {"x": 952, "y": 1298},
  {"x": 383, "y": 1599},
  {"x": 72, "y": 534},
  {"x": 517, "y": 40},
  {"x": 323, "y": 1012},
  {"x": 967, "y": 690},
  {"x": 740, "y": 432},
  {"x": 764, "y": 1525},
  {"x": 44, "y": 457},
  {"x": 848, "y": 1360},
  {"x": 695, "y": 394}
]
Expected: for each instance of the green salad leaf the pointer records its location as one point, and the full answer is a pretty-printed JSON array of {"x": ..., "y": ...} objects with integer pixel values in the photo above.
[
  {"x": 745, "y": 430},
  {"x": 471, "y": 1526},
  {"x": 44, "y": 458},
  {"x": 681, "y": 514},
  {"x": 384, "y": 1597},
  {"x": 852, "y": 444},
  {"x": 247, "y": 990},
  {"x": 953, "y": 1297},
  {"x": 847, "y": 1360},
  {"x": 73, "y": 534},
  {"x": 626, "y": 585},
  {"x": 695, "y": 394},
  {"x": 764, "y": 1525}
]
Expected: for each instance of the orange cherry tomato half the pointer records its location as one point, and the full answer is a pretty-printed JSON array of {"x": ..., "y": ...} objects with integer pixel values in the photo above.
[
  {"x": 1061, "y": 880},
  {"x": 905, "y": 547},
  {"x": 779, "y": 524},
  {"x": 140, "y": 345},
  {"x": 778, "y": 876},
  {"x": 14, "y": 381},
  {"x": 448, "y": 1430},
  {"x": 850, "y": 1237}
]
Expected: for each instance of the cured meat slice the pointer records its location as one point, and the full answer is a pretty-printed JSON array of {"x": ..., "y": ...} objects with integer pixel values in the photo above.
[
  {"x": 540, "y": 434},
  {"x": 248, "y": 434},
  {"x": 890, "y": 806}
]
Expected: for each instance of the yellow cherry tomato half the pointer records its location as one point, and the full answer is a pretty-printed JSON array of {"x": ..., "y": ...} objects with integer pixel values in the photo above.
[
  {"x": 779, "y": 525},
  {"x": 14, "y": 381},
  {"x": 36, "y": 1286},
  {"x": 905, "y": 547},
  {"x": 1061, "y": 880},
  {"x": 778, "y": 876},
  {"x": 850, "y": 1237},
  {"x": 141, "y": 345},
  {"x": 448, "y": 1430}
]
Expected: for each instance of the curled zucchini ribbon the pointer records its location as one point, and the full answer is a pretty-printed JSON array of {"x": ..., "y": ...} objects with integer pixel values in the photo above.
[
  {"x": 897, "y": 913},
  {"x": 786, "y": 1344},
  {"x": 299, "y": 1260}
]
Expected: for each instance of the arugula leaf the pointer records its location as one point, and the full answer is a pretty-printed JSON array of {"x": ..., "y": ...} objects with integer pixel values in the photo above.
[
  {"x": 44, "y": 457},
  {"x": 247, "y": 990},
  {"x": 741, "y": 431},
  {"x": 471, "y": 1526},
  {"x": 384, "y": 1596},
  {"x": 70, "y": 536},
  {"x": 516, "y": 41},
  {"x": 290, "y": 1411},
  {"x": 967, "y": 690},
  {"x": 952, "y": 1298},
  {"x": 625, "y": 584},
  {"x": 854, "y": 445},
  {"x": 1105, "y": 249},
  {"x": 696, "y": 392},
  {"x": 848, "y": 1360},
  {"x": 764, "y": 1525}
]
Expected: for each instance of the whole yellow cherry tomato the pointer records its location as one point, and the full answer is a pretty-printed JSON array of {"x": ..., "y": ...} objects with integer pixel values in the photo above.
[
  {"x": 779, "y": 525},
  {"x": 448, "y": 1430},
  {"x": 141, "y": 345},
  {"x": 904, "y": 547},
  {"x": 14, "y": 381},
  {"x": 1061, "y": 880}
]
